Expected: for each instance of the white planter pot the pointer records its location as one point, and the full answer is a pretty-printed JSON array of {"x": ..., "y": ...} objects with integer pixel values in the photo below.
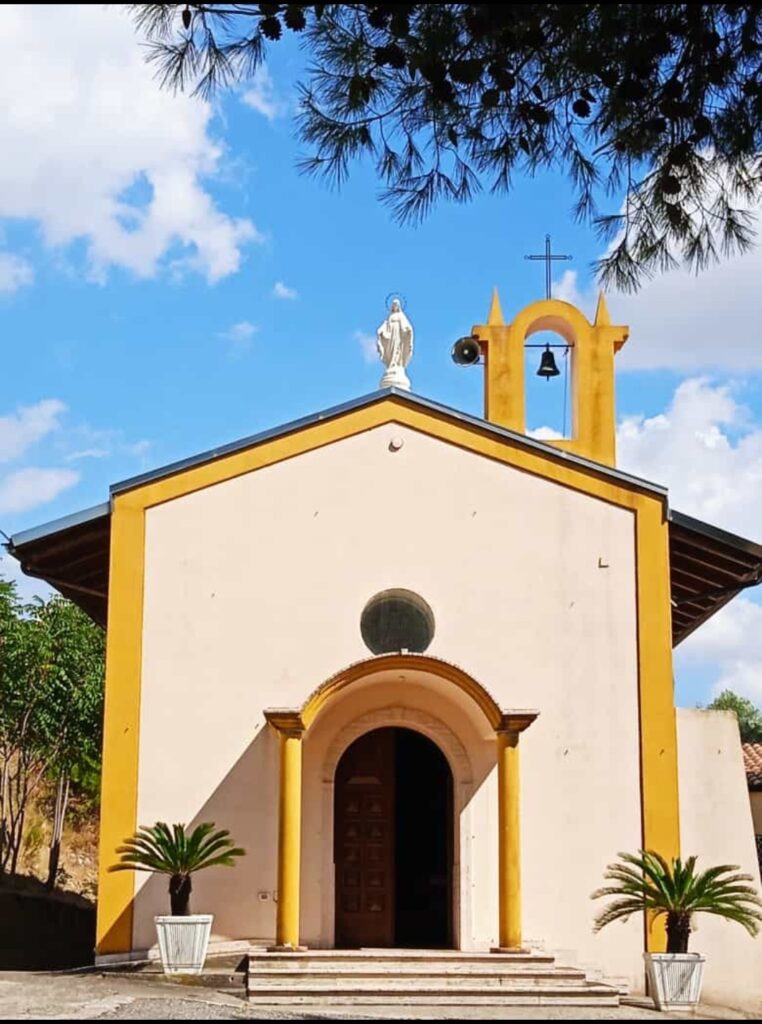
[
  {"x": 183, "y": 942},
  {"x": 674, "y": 979}
]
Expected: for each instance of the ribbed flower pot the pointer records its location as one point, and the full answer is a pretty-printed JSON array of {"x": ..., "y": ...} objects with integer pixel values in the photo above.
[
  {"x": 674, "y": 979},
  {"x": 183, "y": 942}
]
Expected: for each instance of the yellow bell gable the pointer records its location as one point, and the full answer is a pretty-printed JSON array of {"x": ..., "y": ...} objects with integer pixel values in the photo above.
[{"x": 592, "y": 349}]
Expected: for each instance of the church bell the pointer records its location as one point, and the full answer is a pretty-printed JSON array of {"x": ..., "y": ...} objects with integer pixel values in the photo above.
[{"x": 548, "y": 366}]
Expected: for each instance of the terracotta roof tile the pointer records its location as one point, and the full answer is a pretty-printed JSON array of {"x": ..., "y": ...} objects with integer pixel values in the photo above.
[{"x": 752, "y": 759}]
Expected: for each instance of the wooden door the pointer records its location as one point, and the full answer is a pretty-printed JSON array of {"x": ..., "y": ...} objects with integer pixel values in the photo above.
[{"x": 364, "y": 842}]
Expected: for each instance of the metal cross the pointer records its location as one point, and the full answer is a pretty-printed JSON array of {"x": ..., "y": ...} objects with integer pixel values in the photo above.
[{"x": 548, "y": 257}]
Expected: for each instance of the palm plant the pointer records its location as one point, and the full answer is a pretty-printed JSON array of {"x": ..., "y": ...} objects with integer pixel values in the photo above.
[
  {"x": 647, "y": 882},
  {"x": 178, "y": 854}
]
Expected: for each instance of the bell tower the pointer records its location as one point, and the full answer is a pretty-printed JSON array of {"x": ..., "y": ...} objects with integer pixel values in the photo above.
[{"x": 592, "y": 347}]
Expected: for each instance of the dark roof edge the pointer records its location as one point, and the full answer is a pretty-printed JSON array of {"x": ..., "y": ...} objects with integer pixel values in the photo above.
[
  {"x": 733, "y": 540},
  {"x": 533, "y": 444},
  {"x": 86, "y": 515},
  {"x": 370, "y": 399}
]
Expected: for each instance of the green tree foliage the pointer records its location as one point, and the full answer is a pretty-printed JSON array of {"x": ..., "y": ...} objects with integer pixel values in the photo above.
[
  {"x": 177, "y": 853},
  {"x": 647, "y": 882},
  {"x": 661, "y": 103},
  {"x": 51, "y": 699},
  {"x": 748, "y": 714}
]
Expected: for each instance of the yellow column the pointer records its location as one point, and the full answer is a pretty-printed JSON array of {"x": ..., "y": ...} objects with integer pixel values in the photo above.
[
  {"x": 509, "y": 828},
  {"x": 290, "y": 730}
]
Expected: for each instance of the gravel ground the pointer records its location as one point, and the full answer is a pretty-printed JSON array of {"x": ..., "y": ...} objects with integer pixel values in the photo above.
[{"x": 92, "y": 996}]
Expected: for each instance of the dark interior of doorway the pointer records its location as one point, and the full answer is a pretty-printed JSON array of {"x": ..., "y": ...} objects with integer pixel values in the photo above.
[{"x": 423, "y": 843}]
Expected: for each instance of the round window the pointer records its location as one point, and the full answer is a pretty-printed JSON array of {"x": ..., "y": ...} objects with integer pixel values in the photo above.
[{"x": 397, "y": 620}]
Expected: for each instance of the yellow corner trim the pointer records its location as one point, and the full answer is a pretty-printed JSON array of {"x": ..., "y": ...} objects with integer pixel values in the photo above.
[{"x": 121, "y": 724}]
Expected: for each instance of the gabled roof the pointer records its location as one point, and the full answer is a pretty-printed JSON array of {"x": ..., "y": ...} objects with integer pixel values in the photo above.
[
  {"x": 709, "y": 566},
  {"x": 371, "y": 399}
]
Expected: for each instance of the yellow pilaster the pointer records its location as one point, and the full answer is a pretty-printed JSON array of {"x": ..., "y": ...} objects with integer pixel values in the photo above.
[
  {"x": 509, "y": 828},
  {"x": 290, "y": 730},
  {"x": 121, "y": 723},
  {"x": 658, "y": 725}
]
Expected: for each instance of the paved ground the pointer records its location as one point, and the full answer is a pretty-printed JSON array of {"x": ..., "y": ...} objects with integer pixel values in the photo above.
[{"x": 93, "y": 996}]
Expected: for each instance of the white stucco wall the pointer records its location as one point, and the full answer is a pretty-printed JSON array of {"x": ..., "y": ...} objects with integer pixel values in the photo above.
[
  {"x": 716, "y": 826},
  {"x": 253, "y": 595}
]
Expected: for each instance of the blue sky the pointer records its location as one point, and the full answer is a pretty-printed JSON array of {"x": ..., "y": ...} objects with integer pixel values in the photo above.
[{"x": 168, "y": 282}]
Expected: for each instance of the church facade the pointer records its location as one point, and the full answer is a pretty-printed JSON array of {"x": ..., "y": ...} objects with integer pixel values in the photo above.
[{"x": 420, "y": 665}]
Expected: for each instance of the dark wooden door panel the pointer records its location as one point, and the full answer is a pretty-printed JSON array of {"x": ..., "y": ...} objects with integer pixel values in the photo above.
[{"x": 364, "y": 842}]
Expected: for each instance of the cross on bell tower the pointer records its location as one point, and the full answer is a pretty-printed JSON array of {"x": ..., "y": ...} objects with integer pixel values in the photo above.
[{"x": 548, "y": 257}]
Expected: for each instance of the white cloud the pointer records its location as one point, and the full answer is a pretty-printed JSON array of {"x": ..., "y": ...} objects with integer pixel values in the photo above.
[
  {"x": 545, "y": 434},
  {"x": 15, "y": 272},
  {"x": 87, "y": 453},
  {"x": 683, "y": 321},
  {"x": 239, "y": 336},
  {"x": 368, "y": 346},
  {"x": 282, "y": 291},
  {"x": 706, "y": 448},
  {"x": 732, "y": 640},
  {"x": 566, "y": 289},
  {"x": 97, "y": 152},
  {"x": 28, "y": 425},
  {"x": 262, "y": 96},
  {"x": 140, "y": 449},
  {"x": 27, "y": 488}
]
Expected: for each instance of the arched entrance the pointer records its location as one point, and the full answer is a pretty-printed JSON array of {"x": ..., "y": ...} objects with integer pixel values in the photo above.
[{"x": 393, "y": 842}]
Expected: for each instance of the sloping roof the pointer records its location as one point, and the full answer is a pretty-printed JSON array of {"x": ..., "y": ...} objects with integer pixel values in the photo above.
[
  {"x": 709, "y": 566},
  {"x": 373, "y": 398},
  {"x": 752, "y": 760},
  {"x": 72, "y": 555}
]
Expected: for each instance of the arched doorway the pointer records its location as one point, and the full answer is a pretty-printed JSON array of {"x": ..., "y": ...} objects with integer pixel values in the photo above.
[{"x": 393, "y": 842}]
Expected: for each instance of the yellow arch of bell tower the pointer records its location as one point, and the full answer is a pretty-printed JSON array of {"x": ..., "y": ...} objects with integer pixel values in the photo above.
[{"x": 592, "y": 349}]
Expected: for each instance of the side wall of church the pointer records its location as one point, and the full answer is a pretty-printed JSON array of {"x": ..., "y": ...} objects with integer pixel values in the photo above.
[
  {"x": 716, "y": 826},
  {"x": 253, "y": 594}
]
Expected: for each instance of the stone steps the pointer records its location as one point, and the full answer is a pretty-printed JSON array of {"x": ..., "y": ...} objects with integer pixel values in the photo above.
[{"x": 419, "y": 978}]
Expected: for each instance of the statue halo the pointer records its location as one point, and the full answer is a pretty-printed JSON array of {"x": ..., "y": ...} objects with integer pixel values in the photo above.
[{"x": 395, "y": 295}]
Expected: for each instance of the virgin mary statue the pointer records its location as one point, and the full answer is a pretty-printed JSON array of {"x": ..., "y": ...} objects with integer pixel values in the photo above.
[{"x": 394, "y": 341}]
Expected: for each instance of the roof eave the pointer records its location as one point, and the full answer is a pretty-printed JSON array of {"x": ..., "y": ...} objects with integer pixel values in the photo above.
[{"x": 473, "y": 422}]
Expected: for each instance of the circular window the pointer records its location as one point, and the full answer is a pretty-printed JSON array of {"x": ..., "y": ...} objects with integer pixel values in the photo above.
[{"x": 397, "y": 620}]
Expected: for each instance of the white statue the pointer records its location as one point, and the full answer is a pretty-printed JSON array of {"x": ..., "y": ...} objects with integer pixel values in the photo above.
[{"x": 394, "y": 341}]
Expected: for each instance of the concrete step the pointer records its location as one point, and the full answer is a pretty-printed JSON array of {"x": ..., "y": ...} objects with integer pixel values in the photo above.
[
  {"x": 370, "y": 977},
  {"x": 583, "y": 995},
  {"x": 417, "y": 969},
  {"x": 352, "y": 959},
  {"x": 392, "y": 974}
]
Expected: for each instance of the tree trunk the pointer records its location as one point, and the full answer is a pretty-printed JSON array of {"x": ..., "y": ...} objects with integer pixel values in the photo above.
[
  {"x": 678, "y": 932},
  {"x": 18, "y": 839},
  {"x": 179, "y": 895},
  {"x": 59, "y": 816}
]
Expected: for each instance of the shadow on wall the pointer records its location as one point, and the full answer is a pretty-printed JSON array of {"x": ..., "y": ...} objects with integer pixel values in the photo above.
[{"x": 246, "y": 803}]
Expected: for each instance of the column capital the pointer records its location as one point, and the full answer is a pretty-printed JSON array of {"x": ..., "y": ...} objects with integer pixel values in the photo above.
[
  {"x": 287, "y": 721},
  {"x": 514, "y": 722}
]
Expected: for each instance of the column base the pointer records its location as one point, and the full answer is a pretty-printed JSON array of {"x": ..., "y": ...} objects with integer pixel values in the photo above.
[
  {"x": 287, "y": 948},
  {"x": 510, "y": 949}
]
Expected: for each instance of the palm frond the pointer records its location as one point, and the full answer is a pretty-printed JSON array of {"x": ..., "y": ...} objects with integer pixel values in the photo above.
[
  {"x": 175, "y": 851},
  {"x": 646, "y": 881}
]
